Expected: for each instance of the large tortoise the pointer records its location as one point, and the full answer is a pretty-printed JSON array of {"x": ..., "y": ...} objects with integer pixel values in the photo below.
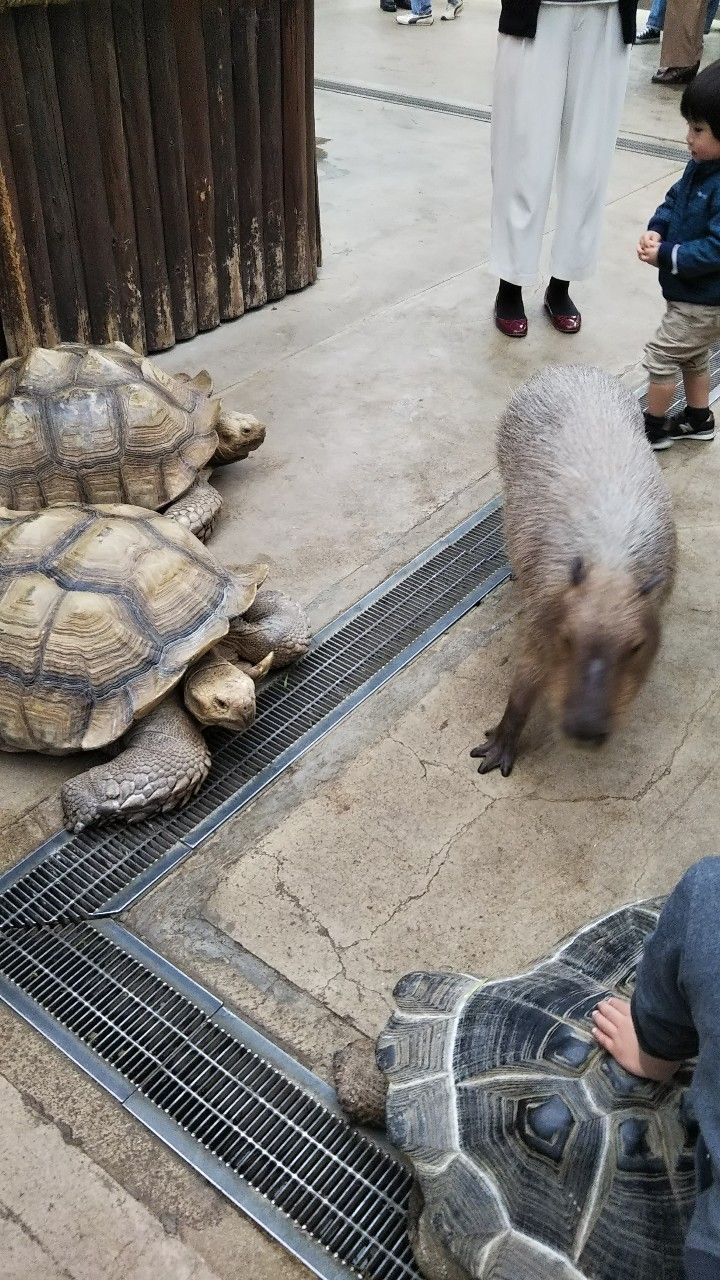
[
  {"x": 536, "y": 1156},
  {"x": 103, "y": 424},
  {"x": 103, "y": 611}
]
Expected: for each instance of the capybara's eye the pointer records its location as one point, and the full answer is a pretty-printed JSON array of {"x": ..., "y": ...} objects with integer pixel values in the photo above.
[{"x": 636, "y": 648}]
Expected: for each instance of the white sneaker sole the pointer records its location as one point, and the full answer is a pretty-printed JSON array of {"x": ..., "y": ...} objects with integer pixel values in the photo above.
[
  {"x": 413, "y": 20},
  {"x": 696, "y": 435}
]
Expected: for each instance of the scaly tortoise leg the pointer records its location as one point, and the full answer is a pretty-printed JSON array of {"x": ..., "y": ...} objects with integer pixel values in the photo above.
[
  {"x": 197, "y": 510},
  {"x": 361, "y": 1086},
  {"x": 274, "y": 623},
  {"x": 163, "y": 764}
]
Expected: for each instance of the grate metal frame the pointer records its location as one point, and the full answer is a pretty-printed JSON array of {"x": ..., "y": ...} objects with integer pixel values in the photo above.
[
  {"x": 255, "y": 1123},
  {"x": 625, "y": 142},
  {"x": 103, "y": 870}
]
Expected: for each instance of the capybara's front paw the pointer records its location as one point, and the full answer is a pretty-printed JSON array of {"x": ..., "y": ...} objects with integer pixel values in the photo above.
[{"x": 496, "y": 752}]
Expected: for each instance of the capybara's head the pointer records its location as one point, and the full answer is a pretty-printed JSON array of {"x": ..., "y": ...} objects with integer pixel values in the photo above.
[{"x": 607, "y": 634}]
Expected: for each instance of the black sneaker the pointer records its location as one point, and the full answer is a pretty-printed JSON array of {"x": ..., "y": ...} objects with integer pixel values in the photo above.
[
  {"x": 388, "y": 6},
  {"x": 678, "y": 428},
  {"x": 656, "y": 432},
  {"x": 650, "y": 35}
]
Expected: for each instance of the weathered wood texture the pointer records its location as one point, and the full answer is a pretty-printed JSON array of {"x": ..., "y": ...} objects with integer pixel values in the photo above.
[
  {"x": 218, "y": 58},
  {"x": 116, "y": 170},
  {"x": 157, "y": 166},
  {"x": 170, "y": 150}
]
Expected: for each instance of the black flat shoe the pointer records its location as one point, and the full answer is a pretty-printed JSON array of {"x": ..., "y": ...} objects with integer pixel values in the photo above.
[
  {"x": 676, "y": 75},
  {"x": 388, "y": 6}
]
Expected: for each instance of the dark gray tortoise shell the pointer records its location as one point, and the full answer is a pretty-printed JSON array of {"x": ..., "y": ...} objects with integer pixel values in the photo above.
[{"x": 537, "y": 1156}]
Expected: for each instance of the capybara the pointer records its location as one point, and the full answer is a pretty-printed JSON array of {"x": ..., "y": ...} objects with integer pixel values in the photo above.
[{"x": 592, "y": 545}]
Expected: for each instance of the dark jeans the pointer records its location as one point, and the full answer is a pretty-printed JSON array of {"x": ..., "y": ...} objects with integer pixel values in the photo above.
[
  {"x": 701, "y": 1266},
  {"x": 698, "y": 1265}
]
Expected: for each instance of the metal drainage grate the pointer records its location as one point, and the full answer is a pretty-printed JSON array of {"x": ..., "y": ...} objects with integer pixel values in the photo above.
[
  {"x": 660, "y": 150},
  {"x": 103, "y": 870},
  {"x": 181, "y": 1063}
]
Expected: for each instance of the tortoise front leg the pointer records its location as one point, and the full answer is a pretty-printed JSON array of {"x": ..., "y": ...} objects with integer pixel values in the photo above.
[
  {"x": 164, "y": 763},
  {"x": 197, "y": 510},
  {"x": 360, "y": 1084}
]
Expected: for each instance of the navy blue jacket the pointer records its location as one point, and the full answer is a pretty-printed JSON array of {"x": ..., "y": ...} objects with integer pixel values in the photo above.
[{"x": 689, "y": 221}]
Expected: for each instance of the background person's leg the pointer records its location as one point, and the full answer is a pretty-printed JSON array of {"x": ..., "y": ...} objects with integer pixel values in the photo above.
[
  {"x": 597, "y": 80},
  {"x": 682, "y": 38},
  {"x": 654, "y": 24},
  {"x": 528, "y": 96}
]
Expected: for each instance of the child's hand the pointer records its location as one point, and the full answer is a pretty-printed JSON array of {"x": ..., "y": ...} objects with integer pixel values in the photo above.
[
  {"x": 615, "y": 1032},
  {"x": 648, "y": 244},
  {"x": 650, "y": 255}
]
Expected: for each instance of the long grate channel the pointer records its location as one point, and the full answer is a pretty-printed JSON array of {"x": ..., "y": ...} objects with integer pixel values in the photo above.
[
  {"x": 175, "y": 1058},
  {"x": 638, "y": 145},
  {"x": 103, "y": 870}
]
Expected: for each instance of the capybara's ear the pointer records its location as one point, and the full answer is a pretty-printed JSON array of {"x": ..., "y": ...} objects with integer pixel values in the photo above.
[
  {"x": 578, "y": 572},
  {"x": 657, "y": 580}
]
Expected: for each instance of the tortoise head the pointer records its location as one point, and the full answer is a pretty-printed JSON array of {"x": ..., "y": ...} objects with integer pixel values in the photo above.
[
  {"x": 238, "y": 434},
  {"x": 218, "y": 692}
]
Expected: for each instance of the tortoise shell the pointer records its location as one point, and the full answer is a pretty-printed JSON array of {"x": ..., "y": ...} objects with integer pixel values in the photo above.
[
  {"x": 99, "y": 425},
  {"x": 537, "y": 1156},
  {"x": 101, "y": 611}
]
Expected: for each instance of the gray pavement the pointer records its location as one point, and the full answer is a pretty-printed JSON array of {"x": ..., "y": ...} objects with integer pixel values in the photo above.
[{"x": 383, "y": 849}]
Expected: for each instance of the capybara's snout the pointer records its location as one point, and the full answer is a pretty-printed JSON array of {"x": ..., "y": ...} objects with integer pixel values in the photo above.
[
  {"x": 587, "y": 731},
  {"x": 587, "y": 715}
]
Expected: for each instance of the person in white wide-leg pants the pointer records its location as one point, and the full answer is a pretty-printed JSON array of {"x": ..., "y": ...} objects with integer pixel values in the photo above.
[{"x": 557, "y": 103}]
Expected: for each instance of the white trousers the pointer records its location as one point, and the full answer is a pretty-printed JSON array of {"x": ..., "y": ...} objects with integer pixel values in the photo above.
[{"x": 557, "y": 102}]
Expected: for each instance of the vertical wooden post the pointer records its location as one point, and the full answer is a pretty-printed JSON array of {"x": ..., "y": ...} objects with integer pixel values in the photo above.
[
  {"x": 113, "y": 148},
  {"x": 271, "y": 142},
  {"x": 311, "y": 152},
  {"x": 129, "y": 27},
  {"x": 243, "y": 25},
  {"x": 170, "y": 152},
  {"x": 77, "y": 107},
  {"x": 33, "y": 33},
  {"x": 294, "y": 145},
  {"x": 218, "y": 58},
  {"x": 17, "y": 121},
  {"x": 17, "y": 303},
  {"x": 190, "y": 53}
]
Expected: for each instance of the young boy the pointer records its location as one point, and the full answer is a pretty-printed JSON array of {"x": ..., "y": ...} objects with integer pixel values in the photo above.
[
  {"x": 683, "y": 241},
  {"x": 674, "y": 1015}
]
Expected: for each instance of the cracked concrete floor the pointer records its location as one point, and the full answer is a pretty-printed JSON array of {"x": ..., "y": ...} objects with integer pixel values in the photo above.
[{"x": 383, "y": 849}]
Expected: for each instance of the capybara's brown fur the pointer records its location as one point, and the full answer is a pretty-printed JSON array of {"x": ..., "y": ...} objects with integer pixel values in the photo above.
[{"x": 591, "y": 540}]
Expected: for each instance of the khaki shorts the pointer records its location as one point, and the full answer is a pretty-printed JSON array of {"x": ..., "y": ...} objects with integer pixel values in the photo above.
[{"x": 683, "y": 341}]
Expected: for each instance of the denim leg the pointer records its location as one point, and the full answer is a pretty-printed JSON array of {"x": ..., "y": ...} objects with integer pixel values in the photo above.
[
  {"x": 697, "y": 1264},
  {"x": 711, "y": 11},
  {"x": 422, "y": 8},
  {"x": 656, "y": 16},
  {"x": 701, "y": 1266}
]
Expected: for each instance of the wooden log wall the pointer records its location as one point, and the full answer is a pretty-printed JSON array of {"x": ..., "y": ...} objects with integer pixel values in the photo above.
[{"x": 157, "y": 166}]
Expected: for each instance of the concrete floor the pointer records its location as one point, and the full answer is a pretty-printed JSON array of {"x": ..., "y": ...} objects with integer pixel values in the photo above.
[{"x": 383, "y": 849}]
